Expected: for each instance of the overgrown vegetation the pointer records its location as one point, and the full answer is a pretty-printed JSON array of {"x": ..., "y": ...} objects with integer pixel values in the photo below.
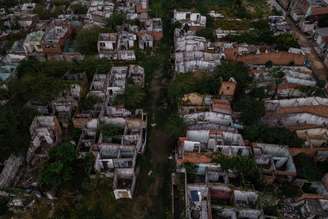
[
  {"x": 132, "y": 99},
  {"x": 281, "y": 42},
  {"x": 246, "y": 167},
  {"x": 64, "y": 170},
  {"x": 307, "y": 168},
  {"x": 272, "y": 135},
  {"x": 251, "y": 110},
  {"x": 202, "y": 82},
  {"x": 207, "y": 33},
  {"x": 230, "y": 8},
  {"x": 14, "y": 130},
  {"x": 78, "y": 8},
  {"x": 115, "y": 20},
  {"x": 86, "y": 40},
  {"x": 109, "y": 130},
  {"x": 88, "y": 103},
  {"x": 238, "y": 71},
  {"x": 96, "y": 201}
]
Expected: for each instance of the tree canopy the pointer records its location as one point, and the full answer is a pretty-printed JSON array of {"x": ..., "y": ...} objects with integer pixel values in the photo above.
[
  {"x": 236, "y": 70},
  {"x": 115, "y": 20},
  {"x": 14, "y": 130},
  {"x": 64, "y": 169},
  {"x": 133, "y": 97},
  {"x": 307, "y": 168},
  {"x": 258, "y": 132},
  {"x": 282, "y": 42},
  {"x": 245, "y": 166},
  {"x": 251, "y": 109},
  {"x": 86, "y": 41}
]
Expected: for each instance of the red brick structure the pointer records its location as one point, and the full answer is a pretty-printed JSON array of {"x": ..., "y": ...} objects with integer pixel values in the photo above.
[{"x": 54, "y": 39}]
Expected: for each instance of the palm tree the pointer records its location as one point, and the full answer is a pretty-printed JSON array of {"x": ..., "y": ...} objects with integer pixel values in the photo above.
[{"x": 277, "y": 75}]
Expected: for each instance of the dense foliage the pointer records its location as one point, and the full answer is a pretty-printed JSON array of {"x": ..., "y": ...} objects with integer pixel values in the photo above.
[
  {"x": 110, "y": 130},
  {"x": 64, "y": 169},
  {"x": 207, "y": 33},
  {"x": 175, "y": 126},
  {"x": 272, "y": 135},
  {"x": 133, "y": 98},
  {"x": 86, "y": 40},
  {"x": 14, "y": 130},
  {"x": 78, "y": 8},
  {"x": 115, "y": 20},
  {"x": 238, "y": 71},
  {"x": 246, "y": 167},
  {"x": 281, "y": 42},
  {"x": 251, "y": 110},
  {"x": 188, "y": 83},
  {"x": 307, "y": 168},
  {"x": 88, "y": 103}
]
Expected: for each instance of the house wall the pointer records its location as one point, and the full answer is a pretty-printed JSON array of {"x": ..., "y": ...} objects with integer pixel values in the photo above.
[
  {"x": 109, "y": 45},
  {"x": 277, "y": 58},
  {"x": 57, "y": 47},
  {"x": 142, "y": 6},
  {"x": 307, "y": 27},
  {"x": 32, "y": 47},
  {"x": 157, "y": 35},
  {"x": 52, "y": 48},
  {"x": 326, "y": 61}
]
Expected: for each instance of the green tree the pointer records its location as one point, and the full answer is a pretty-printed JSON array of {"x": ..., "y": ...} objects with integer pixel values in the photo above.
[
  {"x": 258, "y": 132},
  {"x": 64, "y": 169},
  {"x": 258, "y": 92},
  {"x": 14, "y": 126},
  {"x": 188, "y": 83},
  {"x": 175, "y": 126},
  {"x": 133, "y": 97},
  {"x": 3, "y": 205},
  {"x": 110, "y": 130},
  {"x": 245, "y": 166},
  {"x": 251, "y": 110},
  {"x": 59, "y": 169},
  {"x": 307, "y": 168},
  {"x": 319, "y": 90},
  {"x": 42, "y": 12},
  {"x": 88, "y": 103},
  {"x": 285, "y": 41},
  {"x": 86, "y": 41},
  {"x": 236, "y": 70},
  {"x": 323, "y": 21},
  {"x": 277, "y": 74},
  {"x": 207, "y": 33},
  {"x": 115, "y": 20},
  {"x": 79, "y": 8}
]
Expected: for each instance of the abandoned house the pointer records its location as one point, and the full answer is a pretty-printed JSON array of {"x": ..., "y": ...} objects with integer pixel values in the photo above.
[
  {"x": 99, "y": 11},
  {"x": 107, "y": 44},
  {"x": 33, "y": 42},
  {"x": 124, "y": 183},
  {"x": 275, "y": 161},
  {"x": 297, "y": 113},
  {"x": 192, "y": 53},
  {"x": 137, "y": 75},
  {"x": 228, "y": 89},
  {"x": 194, "y": 21},
  {"x": 45, "y": 133},
  {"x": 145, "y": 40},
  {"x": 57, "y": 33},
  {"x": 154, "y": 27},
  {"x": 117, "y": 46}
]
